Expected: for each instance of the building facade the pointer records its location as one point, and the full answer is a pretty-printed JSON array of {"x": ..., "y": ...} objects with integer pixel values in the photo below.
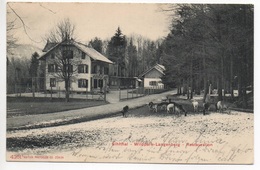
[{"x": 87, "y": 68}]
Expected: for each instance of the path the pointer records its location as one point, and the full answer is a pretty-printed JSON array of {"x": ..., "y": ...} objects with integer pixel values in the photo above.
[{"x": 80, "y": 115}]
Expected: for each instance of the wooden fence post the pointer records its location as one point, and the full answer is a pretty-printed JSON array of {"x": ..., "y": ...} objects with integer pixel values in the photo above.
[
  {"x": 119, "y": 93},
  {"x": 105, "y": 90},
  {"x": 127, "y": 93},
  {"x": 33, "y": 87},
  {"x": 86, "y": 92},
  {"x": 51, "y": 92},
  {"x": 59, "y": 92},
  {"x": 132, "y": 91}
]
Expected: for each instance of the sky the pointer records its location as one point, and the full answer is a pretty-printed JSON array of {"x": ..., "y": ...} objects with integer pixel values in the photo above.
[{"x": 91, "y": 20}]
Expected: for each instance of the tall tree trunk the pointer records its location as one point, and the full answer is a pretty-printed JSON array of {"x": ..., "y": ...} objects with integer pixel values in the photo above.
[
  {"x": 220, "y": 98},
  {"x": 239, "y": 84},
  {"x": 222, "y": 76},
  {"x": 198, "y": 85},
  {"x": 188, "y": 88},
  {"x": 245, "y": 78},
  {"x": 199, "y": 78},
  {"x": 179, "y": 86},
  {"x": 231, "y": 77},
  {"x": 67, "y": 91},
  {"x": 191, "y": 78},
  {"x": 184, "y": 87},
  {"x": 205, "y": 74}
]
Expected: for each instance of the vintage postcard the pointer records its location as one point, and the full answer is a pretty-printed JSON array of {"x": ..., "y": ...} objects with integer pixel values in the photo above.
[{"x": 130, "y": 83}]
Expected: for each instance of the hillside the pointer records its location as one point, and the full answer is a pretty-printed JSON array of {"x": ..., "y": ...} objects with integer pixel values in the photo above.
[{"x": 24, "y": 51}]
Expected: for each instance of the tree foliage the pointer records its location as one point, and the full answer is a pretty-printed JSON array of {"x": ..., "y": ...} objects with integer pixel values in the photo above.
[
  {"x": 33, "y": 70},
  {"x": 116, "y": 51},
  {"x": 63, "y": 30},
  {"x": 132, "y": 59},
  {"x": 97, "y": 44},
  {"x": 210, "y": 44},
  {"x": 17, "y": 74}
]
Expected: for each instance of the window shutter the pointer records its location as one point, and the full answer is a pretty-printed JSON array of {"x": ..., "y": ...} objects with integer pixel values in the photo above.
[
  {"x": 49, "y": 68},
  {"x": 86, "y": 68},
  {"x": 56, "y": 67}
]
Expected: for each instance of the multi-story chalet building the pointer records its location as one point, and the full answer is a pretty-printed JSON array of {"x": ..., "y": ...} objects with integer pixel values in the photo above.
[{"x": 90, "y": 68}]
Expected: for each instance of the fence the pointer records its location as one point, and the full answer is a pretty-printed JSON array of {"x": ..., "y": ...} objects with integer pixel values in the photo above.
[
  {"x": 35, "y": 87},
  {"x": 130, "y": 93},
  {"x": 61, "y": 94}
]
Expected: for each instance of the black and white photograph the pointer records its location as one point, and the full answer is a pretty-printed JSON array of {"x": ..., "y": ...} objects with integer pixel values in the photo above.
[{"x": 152, "y": 83}]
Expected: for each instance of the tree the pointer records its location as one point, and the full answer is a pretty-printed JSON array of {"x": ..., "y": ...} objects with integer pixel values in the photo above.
[
  {"x": 64, "y": 30},
  {"x": 148, "y": 52},
  {"x": 65, "y": 65},
  {"x": 97, "y": 44},
  {"x": 13, "y": 16},
  {"x": 17, "y": 75},
  {"x": 33, "y": 70},
  {"x": 17, "y": 68},
  {"x": 116, "y": 51},
  {"x": 64, "y": 62},
  {"x": 132, "y": 59},
  {"x": 10, "y": 39},
  {"x": 215, "y": 43}
]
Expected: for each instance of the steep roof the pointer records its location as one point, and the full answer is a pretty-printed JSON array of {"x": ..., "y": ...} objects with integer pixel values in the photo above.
[
  {"x": 48, "y": 46},
  {"x": 92, "y": 53},
  {"x": 158, "y": 67}
]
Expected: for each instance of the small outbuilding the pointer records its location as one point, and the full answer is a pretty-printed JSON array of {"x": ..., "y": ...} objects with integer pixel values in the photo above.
[{"x": 151, "y": 78}]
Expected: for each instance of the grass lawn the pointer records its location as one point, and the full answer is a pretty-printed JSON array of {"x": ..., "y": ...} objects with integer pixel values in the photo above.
[{"x": 20, "y": 106}]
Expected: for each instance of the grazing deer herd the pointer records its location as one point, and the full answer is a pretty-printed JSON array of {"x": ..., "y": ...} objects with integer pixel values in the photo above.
[{"x": 175, "y": 108}]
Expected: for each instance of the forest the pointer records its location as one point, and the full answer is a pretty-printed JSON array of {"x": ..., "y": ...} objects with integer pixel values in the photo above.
[{"x": 210, "y": 46}]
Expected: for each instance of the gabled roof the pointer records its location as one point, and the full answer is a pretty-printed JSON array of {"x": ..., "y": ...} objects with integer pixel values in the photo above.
[
  {"x": 158, "y": 67},
  {"x": 92, "y": 53},
  {"x": 49, "y": 45}
]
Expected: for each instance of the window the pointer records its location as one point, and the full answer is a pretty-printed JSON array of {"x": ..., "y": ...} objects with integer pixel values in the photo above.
[
  {"x": 52, "y": 82},
  {"x": 67, "y": 54},
  {"x": 83, "y": 55},
  {"x": 83, "y": 68},
  {"x": 83, "y": 83},
  {"x": 52, "y": 68},
  {"x": 68, "y": 68},
  {"x": 95, "y": 83},
  {"x": 153, "y": 83},
  {"x": 100, "y": 83},
  {"x": 106, "y": 70},
  {"x": 94, "y": 71},
  {"x": 101, "y": 70}
]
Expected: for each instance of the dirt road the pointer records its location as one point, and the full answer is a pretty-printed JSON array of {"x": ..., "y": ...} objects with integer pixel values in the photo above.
[{"x": 141, "y": 137}]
